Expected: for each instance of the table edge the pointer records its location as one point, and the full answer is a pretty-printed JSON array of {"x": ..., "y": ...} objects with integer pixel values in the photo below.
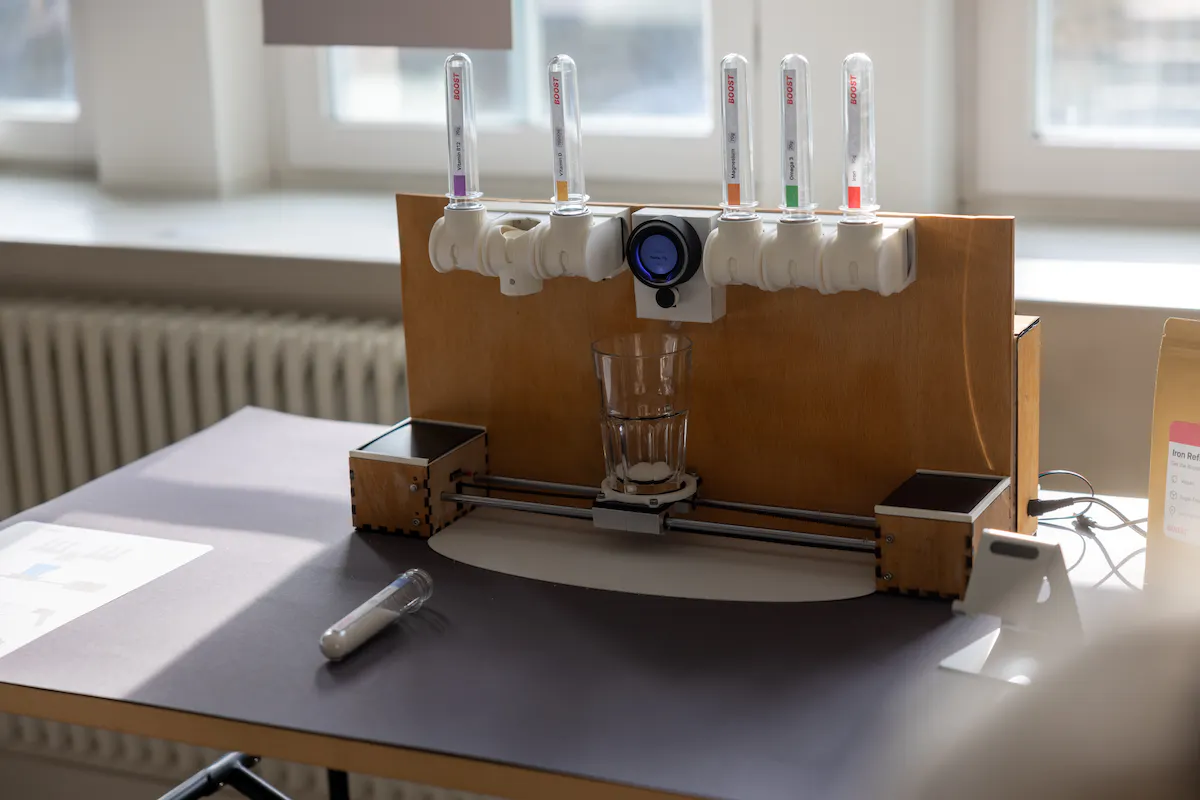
[{"x": 459, "y": 773}]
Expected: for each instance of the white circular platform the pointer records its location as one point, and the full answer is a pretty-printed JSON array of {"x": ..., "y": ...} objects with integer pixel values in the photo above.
[{"x": 676, "y": 565}]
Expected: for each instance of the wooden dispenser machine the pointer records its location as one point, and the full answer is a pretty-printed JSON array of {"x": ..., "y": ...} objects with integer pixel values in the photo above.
[{"x": 900, "y": 425}]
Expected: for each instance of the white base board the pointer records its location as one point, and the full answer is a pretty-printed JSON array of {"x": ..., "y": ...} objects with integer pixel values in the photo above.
[{"x": 693, "y": 566}]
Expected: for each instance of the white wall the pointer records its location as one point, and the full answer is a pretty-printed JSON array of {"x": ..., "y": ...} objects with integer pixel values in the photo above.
[
  {"x": 175, "y": 93},
  {"x": 1098, "y": 369}
]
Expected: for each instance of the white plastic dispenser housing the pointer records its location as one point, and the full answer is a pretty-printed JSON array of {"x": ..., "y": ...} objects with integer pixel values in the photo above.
[
  {"x": 792, "y": 243},
  {"x": 523, "y": 244},
  {"x": 864, "y": 253},
  {"x": 731, "y": 252}
]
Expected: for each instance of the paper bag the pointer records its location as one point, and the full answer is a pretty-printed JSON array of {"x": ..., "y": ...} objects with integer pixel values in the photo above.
[{"x": 1173, "y": 544}]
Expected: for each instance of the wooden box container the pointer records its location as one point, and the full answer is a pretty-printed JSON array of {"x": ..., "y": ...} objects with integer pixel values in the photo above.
[
  {"x": 397, "y": 479},
  {"x": 928, "y": 529}
]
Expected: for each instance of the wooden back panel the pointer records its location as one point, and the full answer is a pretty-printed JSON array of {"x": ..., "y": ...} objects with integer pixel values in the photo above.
[{"x": 804, "y": 400}]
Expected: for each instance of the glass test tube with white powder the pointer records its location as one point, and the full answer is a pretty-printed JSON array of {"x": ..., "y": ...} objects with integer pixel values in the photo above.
[{"x": 404, "y": 595}]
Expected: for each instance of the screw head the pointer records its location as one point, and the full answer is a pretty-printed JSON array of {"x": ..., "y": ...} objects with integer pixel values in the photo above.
[
  {"x": 889, "y": 539},
  {"x": 412, "y": 487},
  {"x": 416, "y": 522},
  {"x": 887, "y": 576}
]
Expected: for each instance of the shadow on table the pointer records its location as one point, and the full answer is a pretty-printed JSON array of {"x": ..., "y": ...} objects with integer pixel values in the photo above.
[{"x": 286, "y": 513}]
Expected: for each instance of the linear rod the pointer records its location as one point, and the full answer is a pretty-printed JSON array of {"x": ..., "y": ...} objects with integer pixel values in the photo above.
[
  {"x": 527, "y": 483},
  {"x": 518, "y": 505},
  {"x": 769, "y": 535},
  {"x": 827, "y": 517},
  {"x": 676, "y": 524}
]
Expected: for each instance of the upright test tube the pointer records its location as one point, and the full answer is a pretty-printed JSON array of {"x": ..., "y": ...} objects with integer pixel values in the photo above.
[
  {"x": 795, "y": 151},
  {"x": 737, "y": 147},
  {"x": 858, "y": 137},
  {"x": 566, "y": 137},
  {"x": 463, "y": 168}
]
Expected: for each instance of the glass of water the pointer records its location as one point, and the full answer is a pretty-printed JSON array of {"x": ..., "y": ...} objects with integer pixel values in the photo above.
[{"x": 645, "y": 390}]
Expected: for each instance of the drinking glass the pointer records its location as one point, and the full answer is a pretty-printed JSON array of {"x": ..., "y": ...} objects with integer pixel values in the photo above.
[{"x": 645, "y": 388}]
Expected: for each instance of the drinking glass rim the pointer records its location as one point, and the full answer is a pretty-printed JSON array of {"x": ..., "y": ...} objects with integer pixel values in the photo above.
[{"x": 685, "y": 345}]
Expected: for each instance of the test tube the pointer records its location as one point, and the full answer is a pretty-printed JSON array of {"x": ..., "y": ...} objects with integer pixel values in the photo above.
[
  {"x": 566, "y": 137},
  {"x": 404, "y": 595},
  {"x": 795, "y": 152},
  {"x": 737, "y": 147},
  {"x": 460, "y": 133},
  {"x": 858, "y": 137}
]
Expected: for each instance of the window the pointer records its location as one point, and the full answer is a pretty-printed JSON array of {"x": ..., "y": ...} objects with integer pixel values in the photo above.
[
  {"x": 646, "y": 81},
  {"x": 1096, "y": 99},
  {"x": 384, "y": 85},
  {"x": 36, "y": 74},
  {"x": 1126, "y": 73},
  {"x": 38, "y": 105},
  {"x": 641, "y": 65},
  {"x": 648, "y": 75}
]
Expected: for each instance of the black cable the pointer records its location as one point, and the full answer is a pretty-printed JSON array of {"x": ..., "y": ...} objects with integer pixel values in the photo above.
[
  {"x": 1038, "y": 507},
  {"x": 1126, "y": 522},
  {"x": 1073, "y": 474}
]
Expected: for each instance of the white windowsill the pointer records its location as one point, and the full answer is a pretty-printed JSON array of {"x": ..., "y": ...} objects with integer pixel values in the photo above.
[
  {"x": 334, "y": 226},
  {"x": 1075, "y": 264},
  {"x": 1111, "y": 265}
]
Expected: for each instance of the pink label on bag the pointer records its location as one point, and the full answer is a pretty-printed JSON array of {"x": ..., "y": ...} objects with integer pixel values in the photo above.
[{"x": 1181, "y": 506}]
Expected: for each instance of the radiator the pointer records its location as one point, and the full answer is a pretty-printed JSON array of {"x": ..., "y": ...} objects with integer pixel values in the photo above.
[{"x": 85, "y": 389}]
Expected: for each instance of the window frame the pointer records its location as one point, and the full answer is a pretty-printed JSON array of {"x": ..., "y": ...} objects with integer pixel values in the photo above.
[
  {"x": 313, "y": 140},
  {"x": 1011, "y": 160}
]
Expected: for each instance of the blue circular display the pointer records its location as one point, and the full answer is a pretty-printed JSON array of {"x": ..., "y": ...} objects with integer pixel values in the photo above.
[{"x": 658, "y": 254}]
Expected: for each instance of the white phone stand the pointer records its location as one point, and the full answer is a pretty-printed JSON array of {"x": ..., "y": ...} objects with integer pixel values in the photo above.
[{"x": 1024, "y": 583}]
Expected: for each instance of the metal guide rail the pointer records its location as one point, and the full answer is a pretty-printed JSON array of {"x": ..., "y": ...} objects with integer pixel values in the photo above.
[{"x": 607, "y": 512}]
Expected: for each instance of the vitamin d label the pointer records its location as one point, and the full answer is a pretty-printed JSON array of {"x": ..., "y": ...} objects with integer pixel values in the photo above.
[
  {"x": 558, "y": 133},
  {"x": 1181, "y": 507}
]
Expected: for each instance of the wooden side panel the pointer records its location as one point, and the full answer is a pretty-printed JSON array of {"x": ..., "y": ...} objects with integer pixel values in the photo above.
[
  {"x": 1029, "y": 389},
  {"x": 383, "y": 497},
  {"x": 926, "y": 557},
  {"x": 998, "y": 516},
  {"x": 931, "y": 557},
  {"x": 471, "y": 457},
  {"x": 381, "y": 500},
  {"x": 799, "y": 399}
]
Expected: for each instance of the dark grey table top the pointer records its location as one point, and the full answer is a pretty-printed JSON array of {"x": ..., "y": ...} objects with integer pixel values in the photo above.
[{"x": 730, "y": 700}]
